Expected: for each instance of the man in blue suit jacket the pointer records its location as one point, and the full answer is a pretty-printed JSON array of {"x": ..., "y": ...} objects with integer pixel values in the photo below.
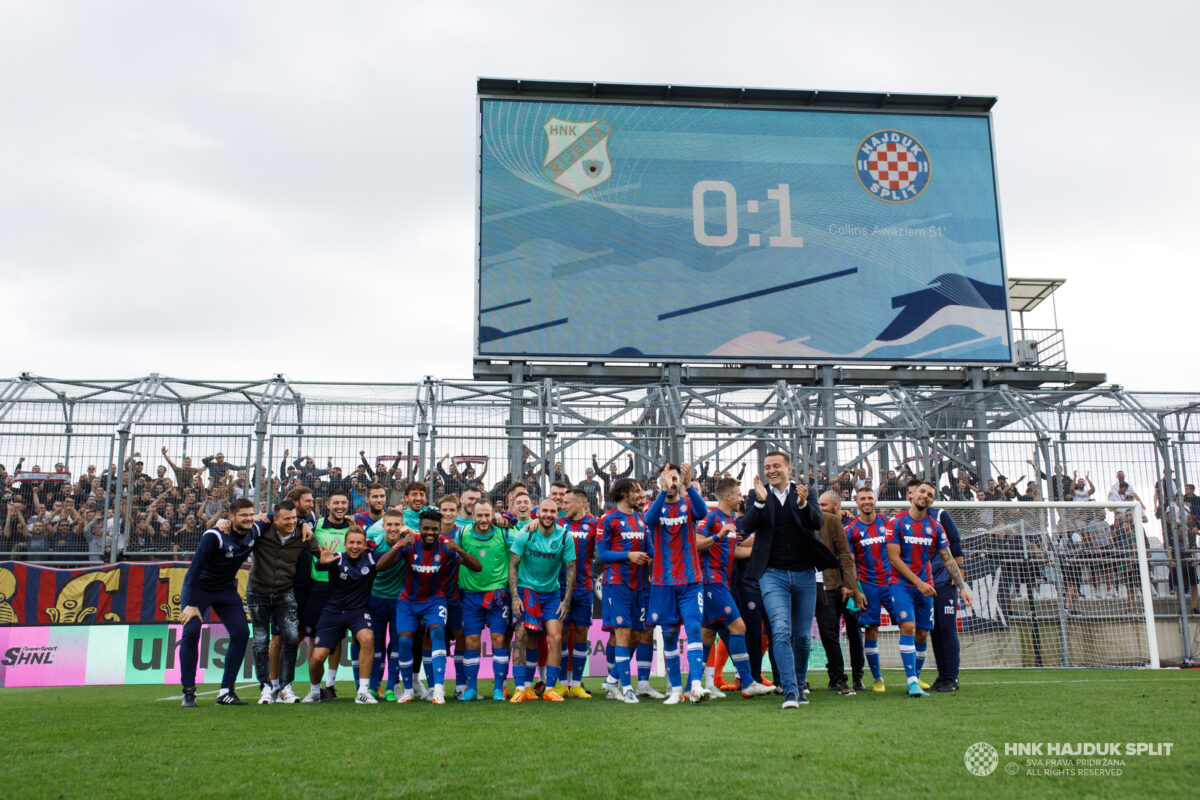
[{"x": 786, "y": 521}]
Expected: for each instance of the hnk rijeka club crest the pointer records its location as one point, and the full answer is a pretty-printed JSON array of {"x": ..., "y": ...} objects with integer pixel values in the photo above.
[{"x": 577, "y": 154}]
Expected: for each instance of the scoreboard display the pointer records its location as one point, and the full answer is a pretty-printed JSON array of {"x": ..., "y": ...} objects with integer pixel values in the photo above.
[{"x": 655, "y": 231}]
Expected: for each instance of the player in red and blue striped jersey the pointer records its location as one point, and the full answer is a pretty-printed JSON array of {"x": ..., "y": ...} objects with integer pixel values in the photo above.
[
  {"x": 584, "y": 529},
  {"x": 911, "y": 544},
  {"x": 676, "y": 584},
  {"x": 430, "y": 560},
  {"x": 448, "y": 507},
  {"x": 622, "y": 547},
  {"x": 867, "y": 535},
  {"x": 717, "y": 542}
]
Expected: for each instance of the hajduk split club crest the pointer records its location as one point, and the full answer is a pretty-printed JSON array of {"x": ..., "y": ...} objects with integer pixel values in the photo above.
[{"x": 892, "y": 165}]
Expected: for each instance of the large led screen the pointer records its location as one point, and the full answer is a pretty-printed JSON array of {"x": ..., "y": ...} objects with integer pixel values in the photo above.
[{"x": 660, "y": 232}]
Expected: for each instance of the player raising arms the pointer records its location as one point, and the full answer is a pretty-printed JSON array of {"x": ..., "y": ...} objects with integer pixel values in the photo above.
[
  {"x": 430, "y": 561},
  {"x": 583, "y": 528},
  {"x": 621, "y": 547},
  {"x": 352, "y": 576},
  {"x": 911, "y": 544},
  {"x": 867, "y": 535},
  {"x": 485, "y": 598},
  {"x": 537, "y": 557},
  {"x": 716, "y": 540},
  {"x": 676, "y": 585}
]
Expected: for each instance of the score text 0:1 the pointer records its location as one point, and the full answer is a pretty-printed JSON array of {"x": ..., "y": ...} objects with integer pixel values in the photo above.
[{"x": 781, "y": 194}]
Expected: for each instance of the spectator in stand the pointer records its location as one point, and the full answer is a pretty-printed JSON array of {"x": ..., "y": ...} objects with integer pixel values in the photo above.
[
  {"x": 864, "y": 476},
  {"x": 163, "y": 544},
  {"x": 1124, "y": 494},
  {"x": 607, "y": 478},
  {"x": 212, "y": 507},
  {"x": 358, "y": 489},
  {"x": 890, "y": 488},
  {"x": 1031, "y": 493},
  {"x": 16, "y": 532},
  {"x": 473, "y": 481},
  {"x": 452, "y": 482},
  {"x": 591, "y": 487},
  {"x": 186, "y": 474},
  {"x": 1191, "y": 502},
  {"x": 992, "y": 493},
  {"x": 1117, "y": 492},
  {"x": 437, "y": 485},
  {"x": 1008, "y": 490},
  {"x": 187, "y": 538},
  {"x": 306, "y": 469},
  {"x": 93, "y": 534},
  {"x": 109, "y": 542},
  {"x": 960, "y": 491},
  {"x": 336, "y": 483},
  {"x": 1098, "y": 543},
  {"x": 81, "y": 490},
  {"x": 40, "y": 541},
  {"x": 65, "y": 510},
  {"x": 499, "y": 490},
  {"x": 556, "y": 474},
  {"x": 843, "y": 484},
  {"x": 69, "y": 546},
  {"x": 218, "y": 467},
  {"x": 708, "y": 484},
  {"x": 1062, "y": 485},
  {"x": 390, "y": 478},
  {"x": 161, "y": 482},
  {"x": 1083, "y": 493}
]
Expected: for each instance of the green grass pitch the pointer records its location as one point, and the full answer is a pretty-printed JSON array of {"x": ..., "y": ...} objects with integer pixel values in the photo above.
[{"x": 126, "y": 742}]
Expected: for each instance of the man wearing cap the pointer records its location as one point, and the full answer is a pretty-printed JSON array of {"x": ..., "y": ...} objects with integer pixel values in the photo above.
[{"x": 591, "y": 486}]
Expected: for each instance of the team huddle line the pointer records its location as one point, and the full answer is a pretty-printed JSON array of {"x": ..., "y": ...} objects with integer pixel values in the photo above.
[{"x": 408, "y": 582}]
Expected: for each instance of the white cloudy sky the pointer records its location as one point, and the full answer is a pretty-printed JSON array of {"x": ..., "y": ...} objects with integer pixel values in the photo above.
[{"x": 232, "y": 189}]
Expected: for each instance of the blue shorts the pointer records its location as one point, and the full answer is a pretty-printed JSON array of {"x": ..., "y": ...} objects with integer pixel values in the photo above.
[
  {"x": 491, "y": 609},
  {"x": 580, "y": 612},
  {"x": 671, "y": 606},
  {"x": 454, "y": 615},
  {"x": 310, "y": 613},
  {"x": 878, "y": 597},
  {"x": 539, "y": 607},
  {"x": 333, "y": 625},
  {"x": 410, "y": 613},
  {"x": 720, "y": 609},
  {"x": 383, "y": 618},
  {"x": 622, "y": 607},
  {"x": 911, "y": 606}
]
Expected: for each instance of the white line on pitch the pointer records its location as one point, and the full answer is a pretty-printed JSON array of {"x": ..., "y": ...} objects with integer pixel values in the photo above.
[
  {"x": 1064, "y": 680},
  {"x": 214, "y": 691}
]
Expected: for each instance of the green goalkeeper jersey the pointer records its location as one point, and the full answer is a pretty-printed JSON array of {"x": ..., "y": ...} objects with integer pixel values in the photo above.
[
  {"x": 493, "y": 553},
  {"x": 331, "y": 537}
]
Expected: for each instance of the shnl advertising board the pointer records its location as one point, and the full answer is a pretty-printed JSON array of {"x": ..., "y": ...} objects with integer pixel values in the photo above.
[{"x": 623, "y": 231}]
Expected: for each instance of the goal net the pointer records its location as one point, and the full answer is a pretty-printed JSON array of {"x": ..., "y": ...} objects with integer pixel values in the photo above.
[{"x": 1055, "y": 585}]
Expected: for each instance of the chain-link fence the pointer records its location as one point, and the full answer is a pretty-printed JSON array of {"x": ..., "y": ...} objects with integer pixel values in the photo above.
[{"x": 135, "y": 469}]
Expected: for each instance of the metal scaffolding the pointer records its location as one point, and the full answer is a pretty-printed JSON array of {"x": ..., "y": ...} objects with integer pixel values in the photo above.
[{"x": 981, "y": 424}]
